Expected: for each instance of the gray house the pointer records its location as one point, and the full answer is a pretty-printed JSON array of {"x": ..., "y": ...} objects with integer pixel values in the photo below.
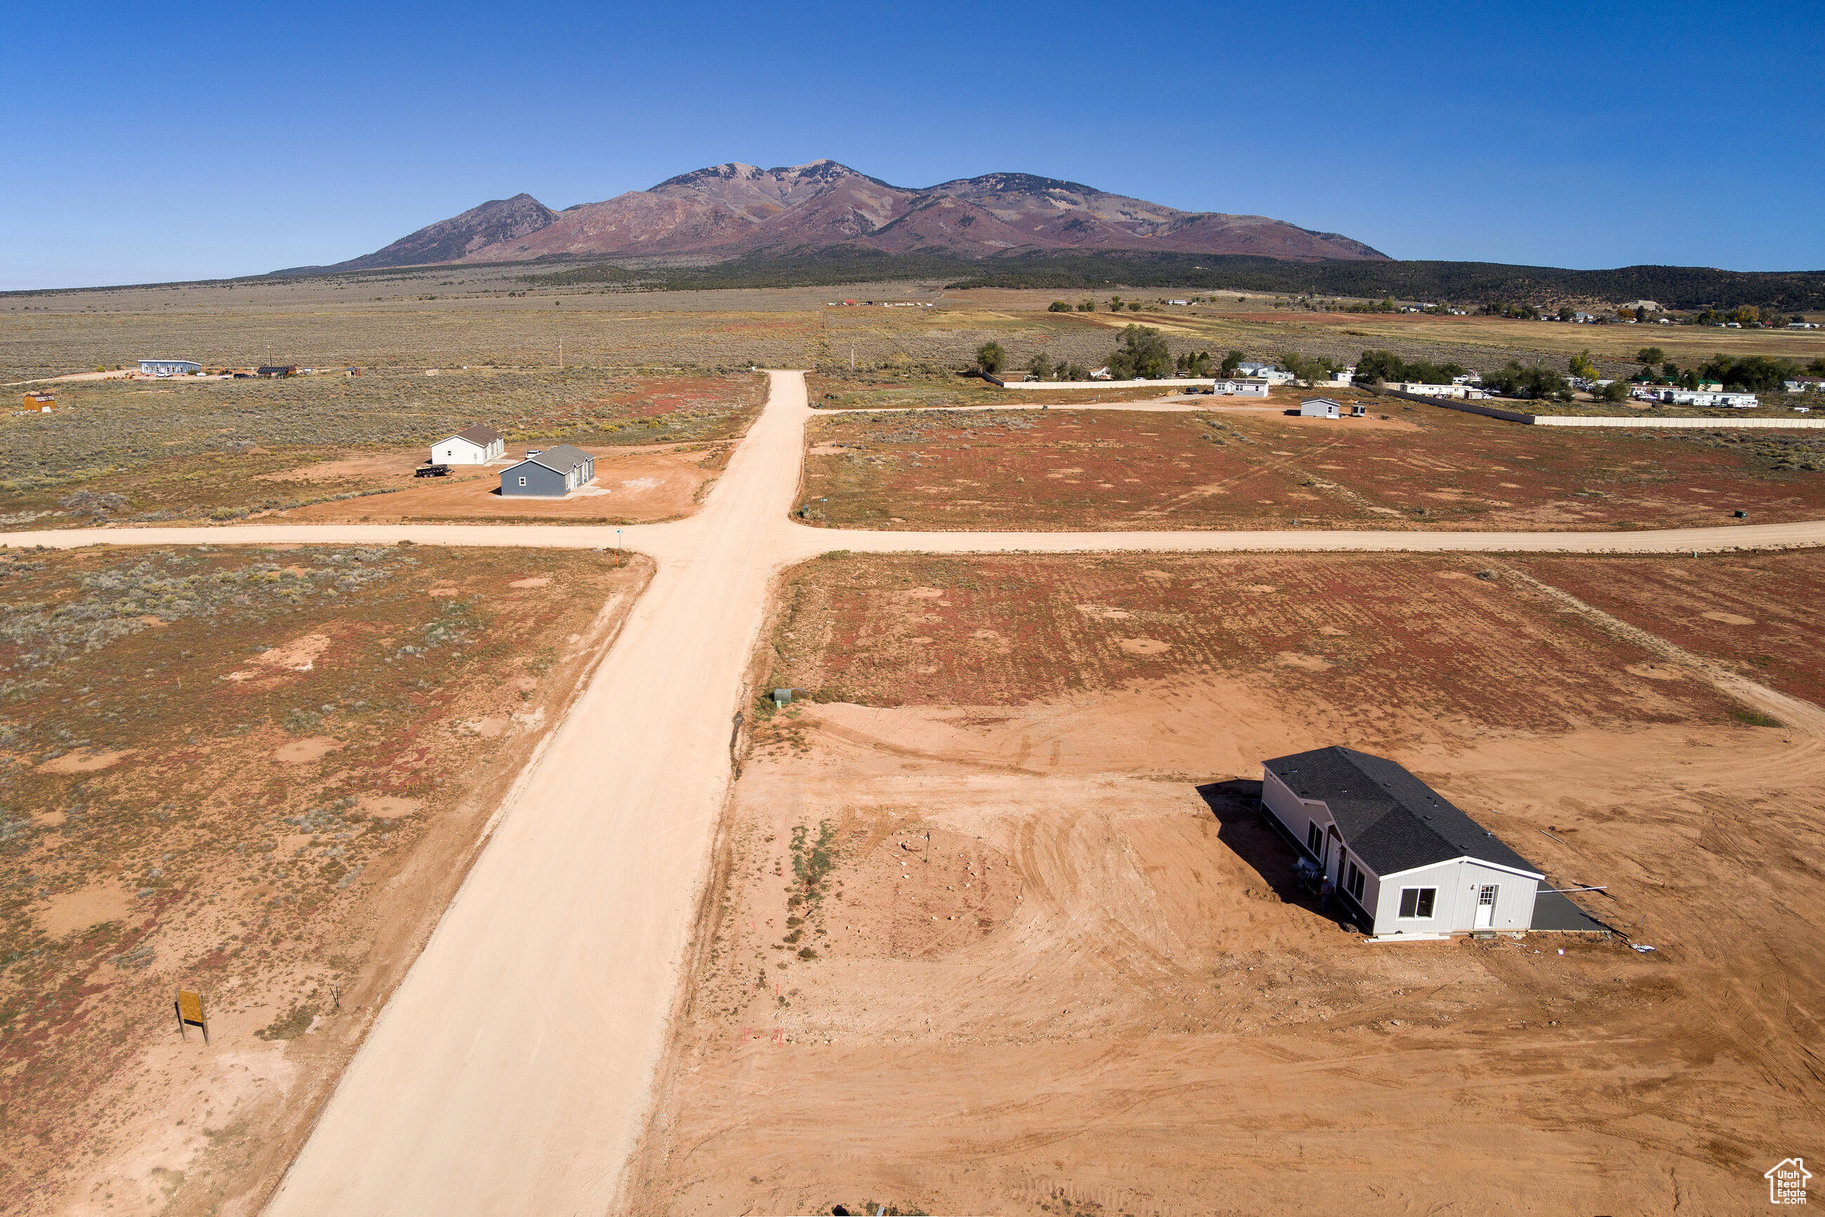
[
  {"x": 1401, "y": 856},
  {"x": 549, "y": 473},
  {"x": 1319, "y": 407}
]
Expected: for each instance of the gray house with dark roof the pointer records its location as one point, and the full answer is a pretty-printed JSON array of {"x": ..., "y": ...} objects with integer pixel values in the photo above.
[
  {"x": 1397, "y": 851},
  {"x": 549, "y": 473}
]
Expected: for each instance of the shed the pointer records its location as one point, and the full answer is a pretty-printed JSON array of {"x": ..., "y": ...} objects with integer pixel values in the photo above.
[
  {"x": 1319, "y": 407},
  {"x": 473, "y": 446},
  {"x": 549, "y": 473},
  {"x": 1400, "y": 854},
  {"x": 169, "y": 367},
  {"x": 278, "y": 369}
]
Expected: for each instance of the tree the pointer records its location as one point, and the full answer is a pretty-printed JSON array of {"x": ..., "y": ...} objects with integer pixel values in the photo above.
[
  {"x": 1086, "y": 305},
  {"x": 1651, "y": 355},
  {"x": 1041, "y": 366},
  {"x": 1058, "y": 306},
  {"x": 1115, "y": 304},
  {"x": 1134, "y": 306},
  {"x": 1231, "y": 362},
  {"x": 1075, "y": 371},
  {"x": 1567, "y": 312},
  {"x": 1142, "y": 355},
  {"x": 1614, "y": 391},
  {"x": 990, "y": 357},
  {"x": 1194, "y": 364},
  {"x": 1582, "y": 365},
  {"x": 1513, "y": 380}
]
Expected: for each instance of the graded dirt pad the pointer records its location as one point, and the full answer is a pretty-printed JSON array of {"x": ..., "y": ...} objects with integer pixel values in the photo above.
[
  {"x": 1119, "y": 1002},
  {"x": 252, "y": 773},
  {"x": 1419, "y": 466},
  {"x": 634, "y": 487},
  {"x": 1757, "y": 613}
]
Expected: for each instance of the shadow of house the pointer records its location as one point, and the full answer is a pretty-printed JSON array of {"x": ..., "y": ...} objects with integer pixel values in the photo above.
[{"x": 1257, "y": 839}]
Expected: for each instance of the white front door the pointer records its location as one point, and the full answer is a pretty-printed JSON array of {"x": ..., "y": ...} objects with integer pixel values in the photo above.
[{"x": 1485, "y": 907}]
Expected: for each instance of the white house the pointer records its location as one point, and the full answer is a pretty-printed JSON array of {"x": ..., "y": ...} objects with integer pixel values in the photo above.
[
  {"x": 1399, "y": 855},
  {"x": 1319, "y": 407},
  {"x": 1343, "y": 376},
  {"x": 169, "y": 367},
  {"x": 475, "y": 446},
  {"x": 1272, "y": 373},
  {"x": 1239, "y": 386},
  {"x": 1705, "y": 397},
  {"x": 1463, "y": 392}
]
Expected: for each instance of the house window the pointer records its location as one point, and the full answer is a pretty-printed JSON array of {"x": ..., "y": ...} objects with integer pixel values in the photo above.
[
  {"x": 1353, "y": 882},
  {"x": 1417, "y": 901},
  {"x": 1314, "y": 838},
  {"x": 522, "y": 481}
]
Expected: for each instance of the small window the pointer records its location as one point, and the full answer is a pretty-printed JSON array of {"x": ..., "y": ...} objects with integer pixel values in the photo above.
[
  {"x": 1354, "y": 882},
  {"x": 522, "y": 480},
  {"x": 1314, "y": 837},
  {"x": 1417, "y": 901}
]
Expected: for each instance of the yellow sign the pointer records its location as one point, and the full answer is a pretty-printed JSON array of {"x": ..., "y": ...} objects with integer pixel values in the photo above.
[{"x": 190, "y": 1006}]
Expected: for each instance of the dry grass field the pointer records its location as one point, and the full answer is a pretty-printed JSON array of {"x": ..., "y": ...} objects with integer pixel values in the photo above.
[
  {"x": 140, "y": 451},
  {"x": 260, "y": 775},
  {"x": 1236, "y": 466},
  {"x": 997, "y": 930}
]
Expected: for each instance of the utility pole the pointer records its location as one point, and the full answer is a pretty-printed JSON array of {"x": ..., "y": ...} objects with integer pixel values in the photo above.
[
  {"x": 852, "y": 357},
  {"x": 560, "y": 354}
]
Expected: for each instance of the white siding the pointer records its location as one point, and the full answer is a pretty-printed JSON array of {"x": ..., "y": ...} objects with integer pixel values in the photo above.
[
  {"x": 458, "y": 451},
  {"x": 1458, "y": 883}
]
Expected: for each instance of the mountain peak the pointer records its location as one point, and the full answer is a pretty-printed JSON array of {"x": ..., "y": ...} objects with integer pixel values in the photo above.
[{"x": 735, "y": 207}]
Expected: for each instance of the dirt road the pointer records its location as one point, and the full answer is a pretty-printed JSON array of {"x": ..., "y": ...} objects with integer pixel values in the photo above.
[{"x": 511, "y": 1069}]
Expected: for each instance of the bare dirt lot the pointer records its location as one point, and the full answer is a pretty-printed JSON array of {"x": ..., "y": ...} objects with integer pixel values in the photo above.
[
  {"x": 258, "y": 774},
  {"x": 1404, "y": 465},
  {"x": 997, "y": 931},
  {"x": 633, "y": 486},
  {"x": 1758, "y": 613},
  {"x": 221, "y": 450}
]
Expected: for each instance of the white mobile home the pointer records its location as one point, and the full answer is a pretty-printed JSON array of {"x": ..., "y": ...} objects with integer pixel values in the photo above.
[
  {"x": 1398, "y": 854},
  {"x": 1239, "y": 386},
  {"x": 169, "y": 367},
  {"x": 1319, "y": 407},
  {"x": 474, "y": 446}
]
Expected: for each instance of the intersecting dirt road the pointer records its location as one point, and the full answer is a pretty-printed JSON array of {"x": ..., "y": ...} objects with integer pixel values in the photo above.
[{"x": 510, "y": 1071}]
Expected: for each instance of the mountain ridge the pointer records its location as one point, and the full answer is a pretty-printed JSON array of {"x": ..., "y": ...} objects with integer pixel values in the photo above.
[{"x": 737, "y": 209}]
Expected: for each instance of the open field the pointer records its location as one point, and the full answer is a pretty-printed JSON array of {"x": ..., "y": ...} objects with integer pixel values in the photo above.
[
  {"x": 1758, "y": 614},
  {"x": 1237, "y": 466},
  {"x": 141, "y": 452},
  {"x": 994, "y": 929},
  {"x": 259, "y": 774}
]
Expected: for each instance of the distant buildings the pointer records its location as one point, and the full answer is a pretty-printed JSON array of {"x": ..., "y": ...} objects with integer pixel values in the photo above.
[
  {"x": 548, "y": 473},
  {"x": 1457, "y": 392},
  {"x": 169, "y": 367},
  {"x": 1265, "y": 371},
  {"x": 1696, "y": 397}
]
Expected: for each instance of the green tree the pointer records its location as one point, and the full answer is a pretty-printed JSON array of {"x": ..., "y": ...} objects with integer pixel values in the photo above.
[
  {"x": 1614, "y": 391},
  {"x": 1514, "y": 380},
  {"x": 1231, "y": 362},
  {"x": 1651, "y": 355},
  {"x": 1074, "y": 371},
  {"x": 1058, "y": 306},
  {"x": 1194, "y": 364},
  {"x": 1142, "y": 355},
  {"x": 1134, "y": 306},
  {"x": 1584, "y": 366},
  {"x": 1041, "y": 366},
  {"x": 990, "y": 357},
  {"x": 1086, "y": 305},
  {"x": 1115, "y": 304}
]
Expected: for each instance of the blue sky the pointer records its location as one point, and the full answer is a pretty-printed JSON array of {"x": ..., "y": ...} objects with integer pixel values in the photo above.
[{"x": 171, "y": 141}]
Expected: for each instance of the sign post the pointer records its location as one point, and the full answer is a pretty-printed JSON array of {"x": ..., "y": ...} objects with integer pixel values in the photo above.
[{"x": 190, "y": 1013}]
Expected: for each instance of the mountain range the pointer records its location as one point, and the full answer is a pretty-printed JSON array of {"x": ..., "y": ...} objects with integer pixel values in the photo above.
[{"x": 735, "y": 209}]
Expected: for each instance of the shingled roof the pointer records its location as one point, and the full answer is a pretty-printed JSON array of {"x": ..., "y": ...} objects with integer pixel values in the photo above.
[
  {"x": 561, "y": 458},
  {"x": 479, "y": 435},
  {"x": 1389, "y": 818}
]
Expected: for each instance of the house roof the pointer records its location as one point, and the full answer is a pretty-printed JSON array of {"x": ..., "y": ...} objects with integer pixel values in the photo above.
[
  {"x": 560, "y": 459},
  {"x": 478, "y": 435},
  {"x": 1388, "y": 817}
]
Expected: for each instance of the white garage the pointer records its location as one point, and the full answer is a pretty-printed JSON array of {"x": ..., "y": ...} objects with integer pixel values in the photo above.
[{"x": 475, "y": 446}]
